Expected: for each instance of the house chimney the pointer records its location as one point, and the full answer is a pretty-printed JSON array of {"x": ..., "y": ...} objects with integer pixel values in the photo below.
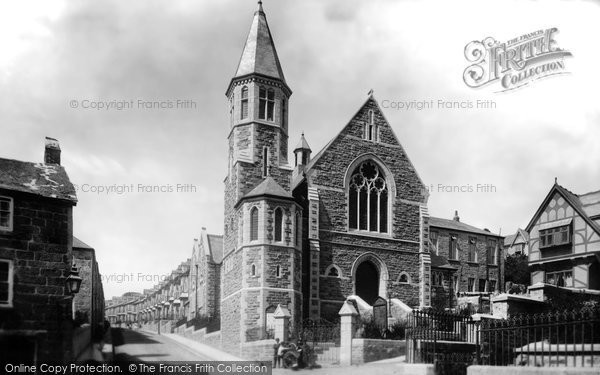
[
  {"x": 52, "y": 151},
  {"x": 456, "y": 217}
]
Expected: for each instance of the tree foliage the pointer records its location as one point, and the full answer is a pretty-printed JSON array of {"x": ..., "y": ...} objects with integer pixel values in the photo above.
[{"x": 516, "y": 269}]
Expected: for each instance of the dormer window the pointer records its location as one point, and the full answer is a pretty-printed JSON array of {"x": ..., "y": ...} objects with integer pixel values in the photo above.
[
  {"x": 244, "y": 103},
  {"x": 266, "y": 102},
  {"x": 6, "y": 213}
]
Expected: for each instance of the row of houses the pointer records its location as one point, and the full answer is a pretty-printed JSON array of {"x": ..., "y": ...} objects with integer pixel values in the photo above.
[
  {"x": 189, "y": 292},
  {"x": 51, "y": 295}
]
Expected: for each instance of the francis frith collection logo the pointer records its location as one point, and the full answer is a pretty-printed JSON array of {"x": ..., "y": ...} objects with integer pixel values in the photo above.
[{"x": 514, "y": 63}]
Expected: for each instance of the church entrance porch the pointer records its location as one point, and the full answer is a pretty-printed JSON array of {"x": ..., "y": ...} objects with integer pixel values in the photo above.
[
  {"x": 367, "y": 282},
  {"x": 369, "y": 278}
]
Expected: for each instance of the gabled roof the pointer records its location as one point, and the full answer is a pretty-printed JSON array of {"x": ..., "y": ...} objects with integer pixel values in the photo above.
[
  {"x": 579, "y": 203},
  {"x": 370, "y": 99},
  {"x": 518, "y": 238},
  {"x": 458, "y": 226},
  {"x": 215, "y": 242},
  {"x": 46, "y": 180},
  {"x": 79, "y": 244},
  {"x": 259, "y": 55},
  {"x": 268, "y": 188}
]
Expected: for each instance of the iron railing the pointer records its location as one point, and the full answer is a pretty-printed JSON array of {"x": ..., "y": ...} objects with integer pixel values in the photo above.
[{"x": 561, "y": 338}]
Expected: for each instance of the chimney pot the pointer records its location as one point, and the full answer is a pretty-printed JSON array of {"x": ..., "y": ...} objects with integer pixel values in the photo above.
[
  {"x": 52, "y": 151},
  {"x": 456, "y": 217}
]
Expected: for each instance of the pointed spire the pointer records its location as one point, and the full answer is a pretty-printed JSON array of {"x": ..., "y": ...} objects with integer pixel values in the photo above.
[
  {"x": 302, "y": 144},
  {"x": 259, "y": 55}
]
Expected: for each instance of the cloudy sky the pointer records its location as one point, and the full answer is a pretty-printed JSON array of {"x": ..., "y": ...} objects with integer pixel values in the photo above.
[{"x": 57, "y": 55}]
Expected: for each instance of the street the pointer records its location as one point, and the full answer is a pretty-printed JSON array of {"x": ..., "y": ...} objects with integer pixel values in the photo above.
[{"x": 142, "y": 346}]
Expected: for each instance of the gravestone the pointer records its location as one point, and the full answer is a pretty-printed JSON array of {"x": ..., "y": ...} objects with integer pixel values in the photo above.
[{"x": 380, "y": 313}]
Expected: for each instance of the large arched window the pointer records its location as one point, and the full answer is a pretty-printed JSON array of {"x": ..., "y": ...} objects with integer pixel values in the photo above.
[
  {"x": 278, "y": 224},
  {"x": 368, "y": 199},
  {"x": 254, "y": 224}
]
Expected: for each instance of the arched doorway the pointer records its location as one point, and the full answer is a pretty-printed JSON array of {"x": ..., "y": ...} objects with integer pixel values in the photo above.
[{"x": 367, "y": 282}]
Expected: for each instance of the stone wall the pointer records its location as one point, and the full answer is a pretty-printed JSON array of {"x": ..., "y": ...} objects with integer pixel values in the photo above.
[
  {"x": 369, "y": 350},
  {"x": 40, "y": 248},
  {"x": 89, "y": 302}
]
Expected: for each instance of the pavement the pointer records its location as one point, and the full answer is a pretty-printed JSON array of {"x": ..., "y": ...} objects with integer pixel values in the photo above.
[
  {"x": 144, "y": 346},
  {"x": 132, "y": 346}
]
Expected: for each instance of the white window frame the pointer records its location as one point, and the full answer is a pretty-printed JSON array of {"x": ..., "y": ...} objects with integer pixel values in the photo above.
[
  {"x": 454, "y": 253},
  {"x": 561, "y": 272},
  {"x": 437, "y": 239},
  {"x": 11, "y": 283},
  {"x": 11, "y": 214},
  {"x": 494, "y": 253}
]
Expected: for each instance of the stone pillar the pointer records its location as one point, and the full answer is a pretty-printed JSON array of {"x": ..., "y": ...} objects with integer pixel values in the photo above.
[
  {"x": 282, "y": 322},
  {"x": 348, "y": 317}
]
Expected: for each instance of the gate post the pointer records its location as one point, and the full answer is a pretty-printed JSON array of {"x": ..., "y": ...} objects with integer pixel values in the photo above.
[
  {"x": 282, "y": 321},
  {"x": 348, "y": 319}
]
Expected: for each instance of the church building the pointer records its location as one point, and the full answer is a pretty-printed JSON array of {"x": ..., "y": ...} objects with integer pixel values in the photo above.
[{"x": 308, "y": 231}]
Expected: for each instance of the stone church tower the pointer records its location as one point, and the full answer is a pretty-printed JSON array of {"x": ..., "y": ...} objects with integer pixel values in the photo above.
[{"x": 262, "y": 241}]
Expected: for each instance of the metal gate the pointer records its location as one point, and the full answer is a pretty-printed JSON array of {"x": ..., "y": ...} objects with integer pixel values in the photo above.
[
  {"x": 323, "y": 339},
  {"x": 447, "y": 340}
]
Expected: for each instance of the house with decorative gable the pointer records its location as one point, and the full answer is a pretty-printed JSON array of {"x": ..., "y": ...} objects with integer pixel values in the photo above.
[{"x": 564, "y": 240}]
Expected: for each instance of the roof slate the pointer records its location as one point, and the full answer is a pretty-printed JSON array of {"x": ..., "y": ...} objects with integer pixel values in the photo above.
[
  {"x": 46, "y": 180},
  {"x": 259, "y": 54},
  {"x": 269, "y": 187},
  {"x": 458, "y": 226},
  {"x": 79, "y": 244}
]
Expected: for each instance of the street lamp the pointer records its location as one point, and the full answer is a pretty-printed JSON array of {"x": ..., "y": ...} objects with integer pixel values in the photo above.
[{"x": 73, "y": 281}]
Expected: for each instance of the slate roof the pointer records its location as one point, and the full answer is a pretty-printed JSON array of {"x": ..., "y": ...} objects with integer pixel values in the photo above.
[
  {"x": 215, "y": 243},
  {"x": 512, "y": 239},
  {"x": 269, "y": 187},
  {"x": 302, "y": 144},
  {"x": 77, "y": 243},
  {"x": 439, "y": 261},
  {"x": 46, "y": 180},
  {"x": 259, "y": 54},
  {"x": 458, "y": 226}
]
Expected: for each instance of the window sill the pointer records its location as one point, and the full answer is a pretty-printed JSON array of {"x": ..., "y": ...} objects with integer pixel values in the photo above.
[
  {"x": 370, "y": 234},
  {"x": 492, "y": 265},
  {"x": 556, "y": 245},
  {"x": 473, "y": 263}
]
